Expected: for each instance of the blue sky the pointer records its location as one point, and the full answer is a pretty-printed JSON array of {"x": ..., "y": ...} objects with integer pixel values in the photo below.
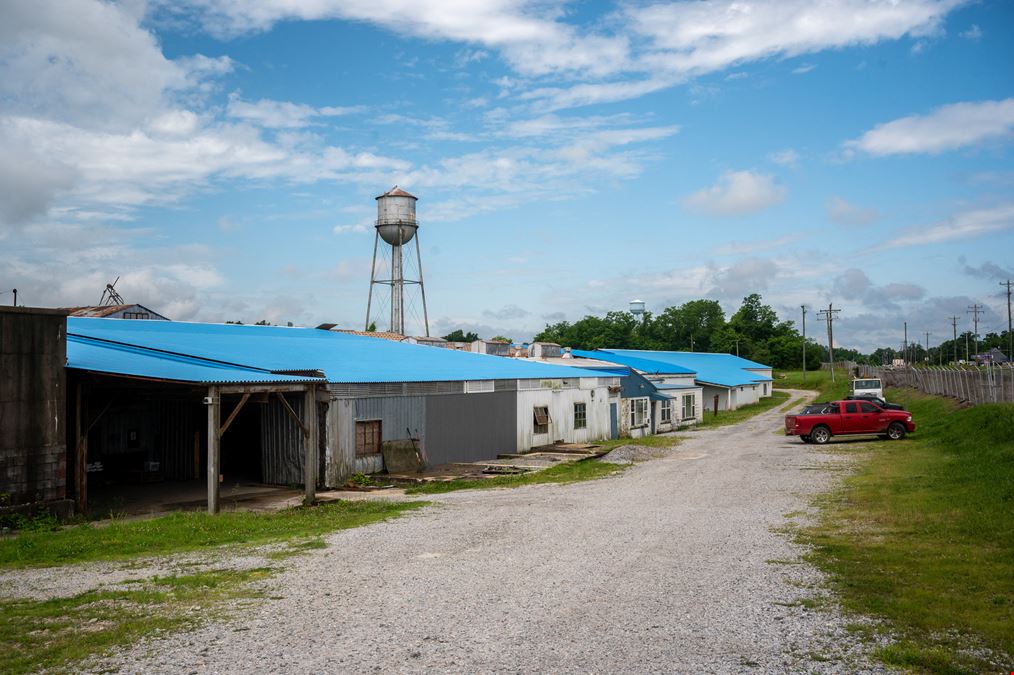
[{"x": 222, "y": 158}]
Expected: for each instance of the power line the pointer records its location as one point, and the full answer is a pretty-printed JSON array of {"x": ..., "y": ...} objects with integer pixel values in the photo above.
[{"x": 829, "y": 315}]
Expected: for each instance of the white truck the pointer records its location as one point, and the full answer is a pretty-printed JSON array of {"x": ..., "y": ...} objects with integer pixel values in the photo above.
[{"x": 868, "y": 386}]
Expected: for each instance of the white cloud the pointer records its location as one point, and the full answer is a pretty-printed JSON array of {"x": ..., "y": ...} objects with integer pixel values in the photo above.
[
  {"x": 737, "y": 193},
  {"x": 948, "y": 127},
  {"x": 787, "y": 157},
  {"x": 659, "y": 45},
  {"x": 89, "y": 63},
  {"x": 803, "y": 69},
  {"x": 526, "y": 33},
  {"x": 358, "y": 228},
  {"x": 963, "y": 225},
  {"x": 282, "y": 114},
  {"x": 843, "y": 213},
  {"x": 973, "y": 32}
]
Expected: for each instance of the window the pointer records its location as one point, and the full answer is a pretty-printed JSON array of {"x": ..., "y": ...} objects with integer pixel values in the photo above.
[
  {"x": 367, "y": 438},
  {"x": 541, "y": 420},
  {"x": 868, "y": 407},
  {"x": 136, "y": 315},
  {"x": 851, "y": 408},
  {"x": 638, "y": 412},
  {"x": 665, "y": 411},
  {"x": 689, "y": 407},
  {"x": 580, "y": 416}
]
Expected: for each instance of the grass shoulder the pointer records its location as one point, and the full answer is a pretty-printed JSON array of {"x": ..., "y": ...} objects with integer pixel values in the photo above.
[
  {"x": 921, "y": 538},
  {"x": 187, "y": 531},
  {"x": 570, "y": 472},
  {"x": 726, "y": 417},
  {"x": 52, "y": 634},
  {"x": 816, "y": 380}
]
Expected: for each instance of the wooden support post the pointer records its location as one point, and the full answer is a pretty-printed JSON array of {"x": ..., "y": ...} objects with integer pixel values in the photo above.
[
  {"x": 311, "y": 431},
  {"x": 80, "y": 458},
  {"x": 214, "y": 448}
]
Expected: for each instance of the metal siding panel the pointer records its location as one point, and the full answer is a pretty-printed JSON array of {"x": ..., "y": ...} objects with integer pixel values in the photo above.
[
  {"x": 470, "y": 427},
  {"x": 397, "y": 415},
  {"x": 281, "y": 443}
]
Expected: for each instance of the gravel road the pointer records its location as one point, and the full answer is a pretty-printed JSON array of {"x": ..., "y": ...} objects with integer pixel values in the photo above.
[{"x": 676, "y": 565}]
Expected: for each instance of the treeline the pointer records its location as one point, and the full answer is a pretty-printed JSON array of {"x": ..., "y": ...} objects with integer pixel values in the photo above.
[{"x": 753, "y": 331}]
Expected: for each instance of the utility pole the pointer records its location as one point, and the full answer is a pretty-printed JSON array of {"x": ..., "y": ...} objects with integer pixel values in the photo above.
[
  {"x": 975, "y": 310},
  {"x": 905, "y": 347},
  {"x": 927, "y": 345},
  {"x": 1010, "y": 334},
  {"x": 829, "y": 315},
  {"x": 803, "y": 307},
  {"x": 954, "y": 325}
]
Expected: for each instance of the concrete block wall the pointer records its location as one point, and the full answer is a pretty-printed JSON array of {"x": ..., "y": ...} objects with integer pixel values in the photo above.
[{"x": 33, "y": 405}]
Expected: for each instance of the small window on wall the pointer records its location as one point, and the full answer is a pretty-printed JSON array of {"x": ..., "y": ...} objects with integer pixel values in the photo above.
[
  {"x": 580, "y": 416},
  {"x": 689, "y": 406},
  {"x": 367, "y": 437},
  {"x": 541, "y": 420},
  {"x": 638, "y": 412},
  {"x": 665, "y": 411}
]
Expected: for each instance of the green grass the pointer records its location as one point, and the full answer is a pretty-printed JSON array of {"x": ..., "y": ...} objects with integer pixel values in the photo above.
[
  {"x": 571, "y": 472},
  {"x": 922, "y": 536},
  {"x": 52, "y": 634},
  {"x": 179, "y": 532},
  {"x": 726, "y": 417},
  {"x": 647, "y": 441},
  {"x": 817, "y": 380}
]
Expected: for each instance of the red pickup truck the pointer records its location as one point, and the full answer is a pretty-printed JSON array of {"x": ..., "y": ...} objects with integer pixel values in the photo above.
[{"x": 818, "y": 422}]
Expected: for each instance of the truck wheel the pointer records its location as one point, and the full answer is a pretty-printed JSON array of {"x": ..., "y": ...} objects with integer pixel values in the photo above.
[
  {"x": 896, "y": 431},
  {"x": 820, "y": 435}
]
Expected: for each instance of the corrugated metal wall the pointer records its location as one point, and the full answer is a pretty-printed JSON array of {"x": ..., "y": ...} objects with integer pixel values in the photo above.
[
  {"x": 400, "y": 416},
  {"x": 282, "y": 443},
  {"x": 469, "y": 427}
]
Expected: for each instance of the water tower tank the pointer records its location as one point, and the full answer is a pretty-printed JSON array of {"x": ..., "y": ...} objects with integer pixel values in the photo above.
[
  {"x": 396, "y": 222},
  {"x": 637, "y": 307}
]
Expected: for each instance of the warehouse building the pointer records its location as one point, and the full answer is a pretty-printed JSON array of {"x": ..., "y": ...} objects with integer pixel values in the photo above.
[{"x": 307, "y": 406}]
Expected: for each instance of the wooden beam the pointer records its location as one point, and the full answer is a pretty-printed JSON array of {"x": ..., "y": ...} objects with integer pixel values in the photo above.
[
  {"x": 262, "y": 388},
  {"x": 80, "y": 459},
  {"x": 214, "y": 404},
  {"x": 310, "y": 447},
  {"x": 292, "y": 414},
  {"x": 235, "y": 411}
]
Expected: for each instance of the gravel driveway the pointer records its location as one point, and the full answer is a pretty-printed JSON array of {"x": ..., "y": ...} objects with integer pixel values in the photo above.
[{"x": 674, "y": 565}]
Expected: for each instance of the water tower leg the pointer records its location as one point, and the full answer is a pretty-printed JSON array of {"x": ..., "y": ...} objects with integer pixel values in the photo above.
[
  {"x": 373, "y": 275},
  {"x": 422, "y": 286}
]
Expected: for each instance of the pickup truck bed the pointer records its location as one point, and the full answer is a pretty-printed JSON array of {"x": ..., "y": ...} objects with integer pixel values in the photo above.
[{"x": 820, "y": 422}]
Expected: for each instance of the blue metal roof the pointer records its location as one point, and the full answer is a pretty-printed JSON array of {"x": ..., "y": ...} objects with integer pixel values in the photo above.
[
  {"x": 117, "y": 359},
  {"x": 724, "y": 370},
  {"x": 645, "y": 365},
  {"x": 178, "y": 351}
]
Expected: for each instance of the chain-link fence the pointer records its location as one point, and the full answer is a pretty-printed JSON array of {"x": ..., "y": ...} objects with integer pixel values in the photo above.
[{"x": 972, "y": 384}]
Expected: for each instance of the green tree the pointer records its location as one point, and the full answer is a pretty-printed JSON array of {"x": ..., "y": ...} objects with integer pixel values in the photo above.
[
  {"x": 501, "y": 338},
  {"x": 459, "y": 336}
]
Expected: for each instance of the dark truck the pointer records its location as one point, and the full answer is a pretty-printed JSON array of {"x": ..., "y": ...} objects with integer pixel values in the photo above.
[{"x": 817, "y": 423}]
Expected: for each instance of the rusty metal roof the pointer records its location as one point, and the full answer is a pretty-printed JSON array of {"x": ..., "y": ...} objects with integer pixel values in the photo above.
[
  {"x": 397, "y": 192},
  {"x": 382, "y": 334}
]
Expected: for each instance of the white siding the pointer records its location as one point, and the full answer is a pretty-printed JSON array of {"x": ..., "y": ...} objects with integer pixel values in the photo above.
[{"x": 561, "y": 414}]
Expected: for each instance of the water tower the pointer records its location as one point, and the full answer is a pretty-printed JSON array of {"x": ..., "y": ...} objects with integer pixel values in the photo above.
[
  {"x": 397, "y": 226},
  {"x": 637, "y": 308}
]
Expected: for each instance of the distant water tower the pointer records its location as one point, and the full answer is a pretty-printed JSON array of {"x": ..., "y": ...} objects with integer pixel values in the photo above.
[
  {"x": 397, "y": 226},
  {"x": 637, "y": 308}
]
